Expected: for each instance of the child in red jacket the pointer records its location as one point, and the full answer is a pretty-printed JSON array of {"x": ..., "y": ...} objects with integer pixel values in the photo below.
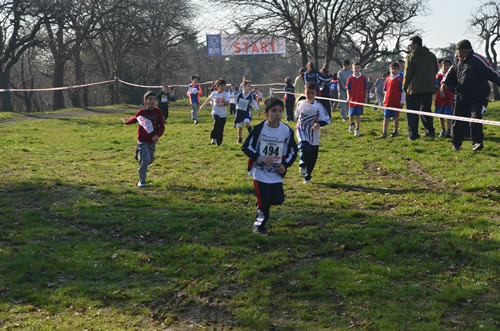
[{"x": 151, "y": 128}]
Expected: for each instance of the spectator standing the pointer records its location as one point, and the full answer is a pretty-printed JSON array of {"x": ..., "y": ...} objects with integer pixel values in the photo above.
[
  {"x": 342, "y": 76},
  {"x": 419, "y": 85},
  {"x": 468, "y": 77}
]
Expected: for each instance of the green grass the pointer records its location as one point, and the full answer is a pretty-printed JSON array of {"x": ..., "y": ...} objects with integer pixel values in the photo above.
[{"x": 390, "y": 235}]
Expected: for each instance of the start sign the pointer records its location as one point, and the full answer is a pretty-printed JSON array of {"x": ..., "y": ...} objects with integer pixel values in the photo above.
[{"x": 228, "y": 45}]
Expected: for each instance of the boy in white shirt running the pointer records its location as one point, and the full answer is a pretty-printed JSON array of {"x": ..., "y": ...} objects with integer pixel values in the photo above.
[
  {"x": 220, "y": 102},
  {"x": 310, "y": 116},
  {"x": 271, "y": 149}
]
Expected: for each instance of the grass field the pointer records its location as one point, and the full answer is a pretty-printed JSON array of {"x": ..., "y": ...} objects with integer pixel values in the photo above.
[{"x": 390, "y": 234}]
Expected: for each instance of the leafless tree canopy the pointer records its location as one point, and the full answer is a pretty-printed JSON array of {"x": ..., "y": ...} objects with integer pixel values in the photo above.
[
  {"x": 58, "y": 43},
  {"x": 486, "y": 21},
  {"x": 328, "y": 30}
]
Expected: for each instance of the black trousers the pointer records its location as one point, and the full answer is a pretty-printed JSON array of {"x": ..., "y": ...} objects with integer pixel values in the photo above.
[
  {"x": 421, "y": 102},
  {"x": 268, "y": 195},
  {"x": 308, "y": 155},
  {"x": 164, "y": 111},
  {"x": 460, "y": 127},
  {"x": 290, "y": 102},
  {"x": 218, "y": 130}
]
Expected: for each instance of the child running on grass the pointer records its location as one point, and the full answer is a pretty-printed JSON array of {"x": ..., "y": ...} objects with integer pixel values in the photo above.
[
  {"x": 194, "y": 93},
  {"x": 151, "y": 128},
  {"x": 271, "y": 149},
  {"x": 245, "y": 101},
  {"x": 394, "y": 97},
  {"x": 310, "y": 115},
  {"x": 233, "y": 93},
  {"x": 220, "y": 101},
  {"x": 357, "y": 92}
]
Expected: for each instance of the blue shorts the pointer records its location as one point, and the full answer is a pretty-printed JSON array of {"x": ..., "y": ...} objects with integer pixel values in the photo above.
[
  {"x": 390, "y": 113},
  {"x": 445, "y": 110},
  {"x": 355, "y": 111}
]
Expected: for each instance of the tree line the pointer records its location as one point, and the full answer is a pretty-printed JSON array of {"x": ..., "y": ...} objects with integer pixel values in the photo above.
[{"x": 153, "y": 42}]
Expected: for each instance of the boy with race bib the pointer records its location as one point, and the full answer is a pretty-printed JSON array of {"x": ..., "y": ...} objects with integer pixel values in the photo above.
[
  {"x": 219, "y": 100},
  {"x": 271, "y": 149},
  {"x": 245, "y": 101},
  {"x": 151, "y": 128}
]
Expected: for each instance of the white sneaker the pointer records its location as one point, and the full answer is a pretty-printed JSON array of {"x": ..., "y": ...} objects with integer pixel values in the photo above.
[
  {"x": 307, "y": 181},
  {"x": 213, "y": 142},
  {"x": 356, "y": 133},
  {"x": 260, "y": 218},
  {"x": 351, "y": 128},
  {"x": 141, "y": 184},
  {"x": 303, "y": 171}
]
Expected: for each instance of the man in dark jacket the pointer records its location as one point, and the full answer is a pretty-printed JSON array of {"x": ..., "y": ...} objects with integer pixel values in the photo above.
[
  {"x": 469, "y": 77},
  {"x": 419, "y": 85}
]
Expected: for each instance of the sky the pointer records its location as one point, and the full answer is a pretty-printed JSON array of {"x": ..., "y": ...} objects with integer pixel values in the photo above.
[{"x": 446, "y": 22}]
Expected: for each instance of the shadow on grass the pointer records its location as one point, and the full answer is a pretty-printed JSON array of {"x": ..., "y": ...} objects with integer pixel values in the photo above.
[
  {"x": 368, "y": 189},
  {"x": 66, "y": 247}
]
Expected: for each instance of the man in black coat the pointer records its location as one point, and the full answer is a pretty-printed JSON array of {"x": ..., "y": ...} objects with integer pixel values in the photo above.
[{"x": 469, "y": 77}]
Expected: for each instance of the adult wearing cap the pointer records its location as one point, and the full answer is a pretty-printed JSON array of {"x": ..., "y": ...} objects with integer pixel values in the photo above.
[
  {"x": 469, "y": 76},
  {"x": 419, "y": 85}
]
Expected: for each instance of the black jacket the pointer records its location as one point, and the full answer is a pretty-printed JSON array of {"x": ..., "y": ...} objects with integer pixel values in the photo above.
[{"x": 469, "y": 77}]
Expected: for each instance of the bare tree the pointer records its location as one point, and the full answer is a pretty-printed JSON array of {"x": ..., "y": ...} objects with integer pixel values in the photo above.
[
  {"x": 486, "y": 21},
  {"x": 76, "y": 22},
  {"x": 20, "y": 22},
  {"x": 323, "y": 29},
  {"x": 383, "y": 31}
]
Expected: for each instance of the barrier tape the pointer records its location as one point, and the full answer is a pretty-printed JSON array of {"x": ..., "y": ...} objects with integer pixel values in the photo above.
[
  {"x": 108, "y": 82},
  {"x": 451, "y": 117},
  {"x": 411, "y": 111},
  {"x": 53, "y": 88},
  {"x": 271, "y": 84},
  {"x": 160, "y": 86}
]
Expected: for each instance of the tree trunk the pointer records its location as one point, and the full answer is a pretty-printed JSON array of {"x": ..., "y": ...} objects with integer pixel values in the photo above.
[
  {"x": 5, "y": 97},
  {"x": 496, "y": 92},
  {"x": 58, "y": 81}
]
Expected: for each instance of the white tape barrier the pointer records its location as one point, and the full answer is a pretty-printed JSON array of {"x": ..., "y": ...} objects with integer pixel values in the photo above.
[
  {"x": 451, "y": 117},
  {"x": 271, "y": 84},
  {"x": 53, "y": 88},
  {"x": 108, "y": 82},
  {"x": 159, "y": 86}
]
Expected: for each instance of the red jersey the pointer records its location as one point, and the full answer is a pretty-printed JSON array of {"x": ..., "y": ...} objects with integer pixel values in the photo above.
[
  {"x": 393, "y": 88},
  {"x": 357, "y": 89},
  {"x": 448, "y": 95},
  {"x": 149, "y": 121}
]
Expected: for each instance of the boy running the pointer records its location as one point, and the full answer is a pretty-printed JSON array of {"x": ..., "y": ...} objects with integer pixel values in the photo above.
[
  {"x": 219, "y": 100},
  {"x": 310, "y": 115},
  {"x": 244, "y": 103},
  {"x": 194, "y": 93},
  {"x": 271, "y": 149},
  {"x": 151, "y": 128}
]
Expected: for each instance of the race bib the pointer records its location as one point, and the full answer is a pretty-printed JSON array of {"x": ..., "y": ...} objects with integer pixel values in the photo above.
[
  {"x": 145, "y": 123},
  {"x": 232, "y": 99},
  {"x": 193, "y": 90},
  {"x": 219, "y": 100},
  {"x": 164, "y": 99},
  {"x": 272, "y": 147},
  {"x": 243, "y": 104}
]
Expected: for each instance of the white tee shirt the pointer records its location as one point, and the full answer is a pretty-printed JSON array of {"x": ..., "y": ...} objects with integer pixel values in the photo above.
[
  {"x": 271, "y": 143},
  {"x": 218, "y": 106},
  {"x": 307, "y": 114}
]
